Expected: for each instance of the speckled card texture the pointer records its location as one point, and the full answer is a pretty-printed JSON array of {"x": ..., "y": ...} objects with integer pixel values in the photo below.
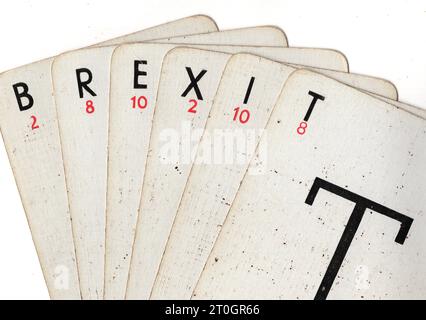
[
  {"x": 136, "y": 71},
  {"x": 338, "y": 212},
  {"x": 164, "y": 184},
  {"x": 30, "y": 132}
]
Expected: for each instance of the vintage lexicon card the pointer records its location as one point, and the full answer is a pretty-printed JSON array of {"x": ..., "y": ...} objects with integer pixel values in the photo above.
[
  {"x": 82, "y": 77},
  {"x": 315, "y": 57},
  {"x": 325, "y": 61},
  {"x": 196, "y": 24},
  {"x": 208, "y": 223},
  {"x": 30, "y": 131},
  {"x": 136, "y": 69},
  {"x": 189, "y": 82},
  {"x": 81, "y": 81},
  {"x": 242, "y": 104},
  {"x": 256, "y": 36},
  {"x": 338, "y": 213},
  {"x": 164, "y": 185}
]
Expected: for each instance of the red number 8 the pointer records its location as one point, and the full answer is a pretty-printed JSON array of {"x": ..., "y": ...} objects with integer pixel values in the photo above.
[
  {"x": 301, "y": 129},
  {"x": 89, "y": 106}
]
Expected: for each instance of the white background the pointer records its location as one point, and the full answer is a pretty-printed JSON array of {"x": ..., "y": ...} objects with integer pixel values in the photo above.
[{"x": 381, "y": 38}]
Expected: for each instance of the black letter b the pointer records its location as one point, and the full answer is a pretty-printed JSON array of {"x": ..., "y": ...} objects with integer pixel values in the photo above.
[{"x": 23, "y": 94}]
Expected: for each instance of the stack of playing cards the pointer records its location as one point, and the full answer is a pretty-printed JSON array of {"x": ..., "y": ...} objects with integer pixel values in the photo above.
[{"x": 183, "y": 162}]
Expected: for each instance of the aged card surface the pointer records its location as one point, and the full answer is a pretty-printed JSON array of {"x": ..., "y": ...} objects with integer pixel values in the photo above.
[
  {"x": 81, "y": 100},
  {"x": 378, "y": 86},
  {"x": 197, "y": 24},
  {"x": 29, "y": 129},
  {"x": 242, "y": 102},
  {"x": 327, "y": 60},
  {"x": 163, "y": 184},
  {"x": 136, "y": 69},
  {"x": 256, "y": 36},
  {"x": 30, "y": 132},
  {"x": 315, "y": 57},
  {"x": 325, "y": 220},
  {"x": 205, "y": 223},
  {"x": 81, "y": 81},
  {"x": 420, "y": 112},
  {"x": 134, "y": 86},
  {"x": 188, "y": 91}
]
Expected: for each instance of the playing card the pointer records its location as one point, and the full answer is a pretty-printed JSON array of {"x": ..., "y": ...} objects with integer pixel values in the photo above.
[
  {"x": 245, "y": 72},
  {"x": 196, "y": 24},
  {"x": 327, "y": 60},
  {"x": 196, "y": 187},
  {"x": 240, "y": 103},
  {"x": 164, "y": 182},
  {"x": 136, "y": 69},
  {"x": 256, "y": 36},
  {"x": 129, "y": 149},
  {"x": 338, "y": 213},
  {"x": 378, "y": 86},
  {"x": 420, "y": 112},
  {"x": 81, "y": 81},
  {"x": 30, "y": 133}
]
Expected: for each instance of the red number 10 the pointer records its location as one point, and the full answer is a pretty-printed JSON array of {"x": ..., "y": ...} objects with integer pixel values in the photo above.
[
  {"x": 242, "y": 116},
  {"x": 141, "y": 102}
]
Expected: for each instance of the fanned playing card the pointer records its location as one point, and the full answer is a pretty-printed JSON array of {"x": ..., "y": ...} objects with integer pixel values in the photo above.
[
  {"x": 136, "y": 69},
  {"x": 183, "y": 162},
  {"x": 256, "y": 36},
  {"x": 202, "y": 209},
  {"x": 81, "y": 81},
  {"x": 126, "y": 139},
  {"x": 196, "y": 24},
  {"x": 337, "y": 212},
  {"x": 30, "y": 133},
  {"x": 327, "y": 59},
  {"x": 164, "y": 182}
]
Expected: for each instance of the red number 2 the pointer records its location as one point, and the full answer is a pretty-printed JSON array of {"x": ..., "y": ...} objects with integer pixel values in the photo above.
[
  {"x": 33, "y": 124},
  {"x": 194, "y": 105}
]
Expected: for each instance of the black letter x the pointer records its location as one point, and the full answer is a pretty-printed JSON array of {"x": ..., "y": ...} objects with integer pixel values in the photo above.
[{"x": 193, "y": 83}]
